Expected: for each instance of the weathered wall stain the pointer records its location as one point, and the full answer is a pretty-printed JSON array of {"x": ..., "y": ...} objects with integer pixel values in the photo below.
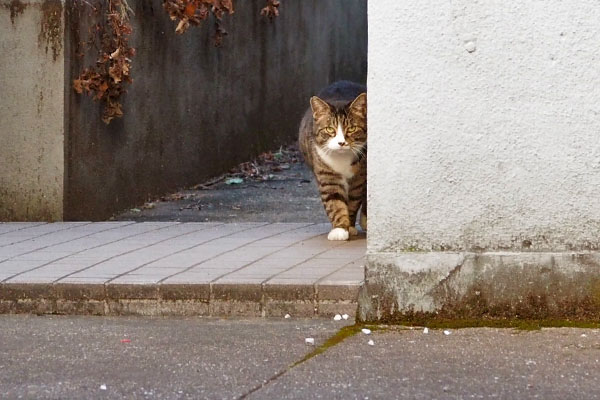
[
  {"x": 472, "y": 286},
  {"x": 16, "y": 8},
  {"x": 40, "y": 102},
  {"x": 31, "y": 111},
  {"x": 50, "y": 35}
]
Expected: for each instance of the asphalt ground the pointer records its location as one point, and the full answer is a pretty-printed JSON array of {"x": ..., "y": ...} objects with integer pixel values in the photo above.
[
  {"x": 56, "y": 357},
  {"x": 268, "y": 191}
]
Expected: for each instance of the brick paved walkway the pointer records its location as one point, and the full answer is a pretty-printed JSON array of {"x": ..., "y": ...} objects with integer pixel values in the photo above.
[{"x": 166, "y": 268}]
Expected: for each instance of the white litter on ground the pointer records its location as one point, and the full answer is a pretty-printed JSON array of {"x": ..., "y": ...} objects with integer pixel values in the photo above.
[
  {"x": 337, "y": 317},
  {"x": 366, "y": 331},
  {"x": 345, "y": 316},
  {"x": 103, "y": 387},
  {"x": 583, "y": 335},
  {"x": 310, "y": 341},
  {"x": 287, "y": 316},
  {"x": 447, "y": 333},
  {"x": 426, "y": 330},
  {"x": 371, "y": 342}
]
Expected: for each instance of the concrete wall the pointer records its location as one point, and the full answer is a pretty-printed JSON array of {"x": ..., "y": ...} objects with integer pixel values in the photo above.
[
  {"x": 483, "y": 155},
  {"x": 195, "y": 110},
  {"x": 31, "y": 110}
]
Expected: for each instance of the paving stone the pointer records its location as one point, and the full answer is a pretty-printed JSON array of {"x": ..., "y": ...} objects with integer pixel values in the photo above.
[
  {"x": 110, "y": 251},
  {"x": 294, "y": 298},
  {"x": 314, "y": 274},
  {"x": 15, "y": 226},
  {"x": 117, "y": 291},
  {"x": 250, "y": 269},
  {"x": 236, "y": 299},
  {"x": 229, "y": 279},
  {"x": 184, "y": 291},
  {"x": 337, "y": 293},
  {"x": 70, "y": 291},
  {"x": 139, "y": 279},
  {"x": 19, "y": 265},
  {"x": 32, "y": 279},
  {"x": 200, "y": 276},
  {"x": 39, "y": 233},
  {"x": 86, "y": 273},
  {"x": 351, "y": 273},
  {"x": 92, "y": 280},
  {"x": 42, "y": 256},
  {"x": 301, "y": 280}
]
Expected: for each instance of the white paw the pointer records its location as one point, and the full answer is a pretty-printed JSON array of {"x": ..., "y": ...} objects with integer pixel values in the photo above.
[
  {"x": 338, "y": 234},
  {"x": 363, "y": 222},
  {"x": 352, "y": 230}
]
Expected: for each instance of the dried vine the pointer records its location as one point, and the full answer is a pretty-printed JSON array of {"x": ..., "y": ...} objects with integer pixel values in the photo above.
[
  {"x": 195, "y": 11},
  {"x": 271, "y": 10},
  {"x": 106, "y": 81}
]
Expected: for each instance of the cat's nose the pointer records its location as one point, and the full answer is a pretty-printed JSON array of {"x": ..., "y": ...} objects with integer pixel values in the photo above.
[{"x": 342, "y": 144}]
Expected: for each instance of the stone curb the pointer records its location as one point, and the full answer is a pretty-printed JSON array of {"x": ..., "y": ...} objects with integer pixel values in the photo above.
[
  {"x": 409, "y": 287},
  {"x": 202, "y": 299}
]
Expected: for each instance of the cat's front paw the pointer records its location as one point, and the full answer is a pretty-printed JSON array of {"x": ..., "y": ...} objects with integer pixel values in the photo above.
[
  {"x": 352, "y": 231},
  {"x": 338, "y": 234},
  {"x": 363, "y": 222}
]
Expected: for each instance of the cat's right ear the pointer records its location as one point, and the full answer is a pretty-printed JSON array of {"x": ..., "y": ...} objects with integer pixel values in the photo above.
[{"x": 319, "y": 107}]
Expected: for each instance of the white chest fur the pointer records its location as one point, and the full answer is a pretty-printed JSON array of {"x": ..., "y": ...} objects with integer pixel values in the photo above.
[{"x": 339, "y": 161}]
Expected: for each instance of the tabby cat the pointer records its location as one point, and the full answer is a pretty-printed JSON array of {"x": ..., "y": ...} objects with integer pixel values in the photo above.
[{"x": 333, "y": 141}]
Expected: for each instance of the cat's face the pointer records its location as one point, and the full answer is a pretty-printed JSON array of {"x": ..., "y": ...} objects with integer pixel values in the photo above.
[{"x": 340, "y": 129}]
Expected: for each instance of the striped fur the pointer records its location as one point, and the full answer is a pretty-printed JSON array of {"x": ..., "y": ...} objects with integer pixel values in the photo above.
[{"x": 333, "y": 141}]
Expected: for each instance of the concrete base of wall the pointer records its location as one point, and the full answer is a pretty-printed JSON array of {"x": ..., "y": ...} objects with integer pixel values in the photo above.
[{"x": 416, "y": 286}]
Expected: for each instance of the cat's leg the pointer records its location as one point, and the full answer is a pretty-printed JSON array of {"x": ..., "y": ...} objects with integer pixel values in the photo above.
[
  {"x": 363, "y": 210},
  {"x": 355, "y": 199},
  {"x": 363, "y": 218},
  {"x": 337, "y": 211},
  {"x": 353, "y": 206}
]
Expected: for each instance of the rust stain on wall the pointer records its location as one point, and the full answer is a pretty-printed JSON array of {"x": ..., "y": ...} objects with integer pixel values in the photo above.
[
  {"x": 51, "y": 27},
  {"x": 16, "y": 7}
]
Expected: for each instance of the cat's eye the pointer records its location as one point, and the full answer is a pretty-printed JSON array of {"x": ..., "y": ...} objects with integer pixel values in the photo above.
[
  {"x": 351, "y": 129},
  {"x": 330, "y": 130}
]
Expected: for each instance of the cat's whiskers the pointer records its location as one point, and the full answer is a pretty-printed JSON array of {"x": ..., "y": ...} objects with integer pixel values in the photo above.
[
  {"x": 358, "y": 150},
  {"x": 326, "y": 149}
]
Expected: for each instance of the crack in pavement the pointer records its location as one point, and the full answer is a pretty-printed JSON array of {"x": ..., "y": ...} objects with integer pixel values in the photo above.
[{"x": 334, "y": 340}]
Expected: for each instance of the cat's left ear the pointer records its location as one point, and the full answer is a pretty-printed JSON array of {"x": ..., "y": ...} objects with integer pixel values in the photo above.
[
  {"x": 319, "y": 107},
  {"x": 359, "y": 105}
]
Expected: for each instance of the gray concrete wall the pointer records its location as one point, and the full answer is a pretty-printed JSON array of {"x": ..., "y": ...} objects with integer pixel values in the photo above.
[
  {"x": 31, "y": 110},
  {"x": 195, "y": 110},
  {"x": 483, "y": 119}
]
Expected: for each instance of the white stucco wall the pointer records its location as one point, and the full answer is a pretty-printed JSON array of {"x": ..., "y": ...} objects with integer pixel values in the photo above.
[
  {"x": 484, "y": 125},
  {"x": 31, "y": 110}
]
